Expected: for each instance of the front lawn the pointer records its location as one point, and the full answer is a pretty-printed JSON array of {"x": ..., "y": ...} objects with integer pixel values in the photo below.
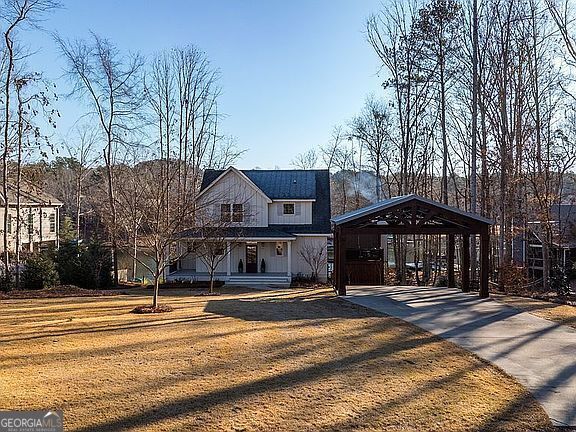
[{"x": 298, "y": 360}]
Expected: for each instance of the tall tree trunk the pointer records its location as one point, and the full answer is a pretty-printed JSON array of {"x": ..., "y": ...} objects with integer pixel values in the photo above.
[{"x": 474, "y": 143}]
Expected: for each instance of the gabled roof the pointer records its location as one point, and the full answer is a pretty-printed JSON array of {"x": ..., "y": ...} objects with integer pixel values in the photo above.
[
  {"x": 218, "y": 174},
  {"x": 398, "y": 201},
  {"x": 30, "y": 194},
  {"x": 276, "y": 184},
  {"x": 311, "y": 185}
]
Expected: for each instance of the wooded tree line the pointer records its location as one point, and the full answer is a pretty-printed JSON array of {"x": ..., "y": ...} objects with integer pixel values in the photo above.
[
  {"x": 476, "y": 110},
  {"x": 128, "y": 173}
]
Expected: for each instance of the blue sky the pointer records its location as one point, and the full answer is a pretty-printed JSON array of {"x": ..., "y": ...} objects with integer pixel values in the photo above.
[{"x": 291, "y": 70}]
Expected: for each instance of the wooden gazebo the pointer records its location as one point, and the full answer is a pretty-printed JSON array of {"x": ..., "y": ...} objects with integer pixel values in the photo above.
[{"x": 413, "y": 214}]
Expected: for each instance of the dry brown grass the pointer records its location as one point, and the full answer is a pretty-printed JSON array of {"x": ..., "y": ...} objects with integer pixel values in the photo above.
[
  {"x": 560, "y": 313},
  {"x": 297, "y": 360}
]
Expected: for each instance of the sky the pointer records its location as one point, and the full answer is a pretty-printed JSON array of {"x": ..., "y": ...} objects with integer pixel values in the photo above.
[{"x": 290, "y": 70}]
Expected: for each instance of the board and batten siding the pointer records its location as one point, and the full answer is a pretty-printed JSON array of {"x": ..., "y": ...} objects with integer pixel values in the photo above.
[
  {"x": 299, "y": 264},
  {"x": 302, "y": 213},
  {"x": 233, "y": 189}
]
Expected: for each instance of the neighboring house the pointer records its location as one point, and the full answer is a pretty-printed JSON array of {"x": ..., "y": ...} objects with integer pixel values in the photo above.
[
  {"x": 275, "y": 217},
  {"x": 39, "y": 219},
  {"x": 563, "y": 251}
]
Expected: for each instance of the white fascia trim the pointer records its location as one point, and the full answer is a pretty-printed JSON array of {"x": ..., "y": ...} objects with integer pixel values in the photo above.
[
  {"x": 313, "y": 235},
  {"x": 241, "y": 174},
  {"x": 293, "y": 200}
]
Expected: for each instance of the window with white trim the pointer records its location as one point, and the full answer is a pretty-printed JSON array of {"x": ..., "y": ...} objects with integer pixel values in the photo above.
[
  {"x": 288, "y": 209},
  {"x": 225, "y": 212},
  {"x": 30, "y": 223},
  {"x": 238, "y": 213},
  {"x": 52, "y": 220}
]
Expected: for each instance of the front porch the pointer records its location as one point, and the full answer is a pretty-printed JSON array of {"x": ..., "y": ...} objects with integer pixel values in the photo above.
[
  {"x": 239, "y": 262},
  {"x": 273, "y": 278}
]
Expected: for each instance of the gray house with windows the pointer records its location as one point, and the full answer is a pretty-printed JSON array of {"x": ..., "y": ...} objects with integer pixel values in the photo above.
[{"x": 273, "y": 225}]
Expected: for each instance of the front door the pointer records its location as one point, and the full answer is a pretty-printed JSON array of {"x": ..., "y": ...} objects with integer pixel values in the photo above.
[{"x": 251, "y": 258}]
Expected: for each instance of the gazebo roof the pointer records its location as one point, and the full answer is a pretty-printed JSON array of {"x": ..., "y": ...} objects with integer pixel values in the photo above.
[{"x": 410, "y": 210}]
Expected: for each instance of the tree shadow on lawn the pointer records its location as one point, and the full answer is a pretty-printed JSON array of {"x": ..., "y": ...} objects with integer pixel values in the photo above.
[
  {"x": 287, "y": 309},
  {"x": 325, "y": 370}
]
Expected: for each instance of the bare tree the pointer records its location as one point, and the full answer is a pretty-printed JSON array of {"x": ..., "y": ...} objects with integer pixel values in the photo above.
[
  {"x": 145, "y": 233},
  {"x": 82, "y": 153},
  {"x": 306, "y": 160},
  {"x": 111, "y": 83},
  {"x": 315, "y": 256},
  {"x": 372, "y": 129},
  {"x": 17, "y": 15}
]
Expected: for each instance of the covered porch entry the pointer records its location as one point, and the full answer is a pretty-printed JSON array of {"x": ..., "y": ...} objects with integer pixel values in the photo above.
[
  {"x": 246, "y": 260},
  {"x": 413, "y": 215}
]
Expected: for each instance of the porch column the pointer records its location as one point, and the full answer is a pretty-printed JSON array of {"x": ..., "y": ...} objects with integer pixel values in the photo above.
[
  {"x": 228, "y": 259},
  {"x": 340, "y": 259},
  {"x": 465, "y": 270},
  {"x": 289, "y": 246},
  {"x": 451, "y": 280}
]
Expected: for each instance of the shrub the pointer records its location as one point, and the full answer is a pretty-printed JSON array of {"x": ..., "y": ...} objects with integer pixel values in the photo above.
[
  {"x": 85, "y": 265},
  {"x": 441, "y": 281},
  {"x": 559, "y": 281},
  {"x": 40, "y": 272},
  {"x": 512, "y": 279}
]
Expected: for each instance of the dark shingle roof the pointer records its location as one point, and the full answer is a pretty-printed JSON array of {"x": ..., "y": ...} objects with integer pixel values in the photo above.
[
  {"x": 276, "y": 184},
  {"x": 291, "y": 184},
  {"x": 239, "y": 232}
]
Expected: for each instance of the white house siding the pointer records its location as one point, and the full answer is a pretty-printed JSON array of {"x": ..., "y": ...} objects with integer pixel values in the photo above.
[
  {"x": 188, "y": 262},
  {"x": 234, "y": 189},
  {"x": 201, "y": 266},
  {"x": 274, "y": 263},
  {"x": 40, "y": 227},
  {"x": 238, "y": 253},
  {"x": 266, "y": 251},
  {"x": 302, "y": 213},
  {"x": 299, "y": 265}
]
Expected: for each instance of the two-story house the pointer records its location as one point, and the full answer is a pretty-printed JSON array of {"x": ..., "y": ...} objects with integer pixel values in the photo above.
[
  {"x": 39, "y": 218},
  {"x": 275, "y": 225}
]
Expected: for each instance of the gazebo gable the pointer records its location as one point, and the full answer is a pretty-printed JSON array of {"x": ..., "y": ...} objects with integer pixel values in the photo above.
[{"x": 413, "y": 214}]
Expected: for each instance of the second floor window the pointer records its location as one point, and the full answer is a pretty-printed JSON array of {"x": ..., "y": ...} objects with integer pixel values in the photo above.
[
  {"x": 289, "y": 209},
  {"x": 52, "y": 219},
  {"x": 238, "y": 213},
  {"x": 9, "y": 224},
  {"x": 225, "y": 212},
  {"x": 30, "y": 223},
  {"x": 232, "y": 212}
]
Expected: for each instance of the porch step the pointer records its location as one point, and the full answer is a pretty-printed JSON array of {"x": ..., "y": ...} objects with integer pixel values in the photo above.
[{"x": 259, "y": 280}]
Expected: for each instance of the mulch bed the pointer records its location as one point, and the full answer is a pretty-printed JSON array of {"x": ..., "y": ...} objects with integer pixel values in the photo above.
[
  {"x": 149, "y": 309},
  {"x": 57, "y": 292}
]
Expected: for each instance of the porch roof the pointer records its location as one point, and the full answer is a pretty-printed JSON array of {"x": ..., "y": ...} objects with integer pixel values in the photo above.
[{"x": 238, "y": 233}]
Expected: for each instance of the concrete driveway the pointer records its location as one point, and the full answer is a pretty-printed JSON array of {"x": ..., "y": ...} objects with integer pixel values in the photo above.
[{"x": 538, "y": 353}]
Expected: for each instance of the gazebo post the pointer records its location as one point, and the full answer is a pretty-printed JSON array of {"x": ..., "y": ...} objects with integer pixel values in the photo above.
[
  {"x": 465, "y": 270},
  {"x": 340, "y": 261},
  {"x": 451, "y": 253},
  {"x": 484, "y": 261}
]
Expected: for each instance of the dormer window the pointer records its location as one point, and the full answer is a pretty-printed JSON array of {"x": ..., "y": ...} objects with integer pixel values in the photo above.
[
  {"x": 289, "y": 209},
  {"x": 238, "y": 213}
]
